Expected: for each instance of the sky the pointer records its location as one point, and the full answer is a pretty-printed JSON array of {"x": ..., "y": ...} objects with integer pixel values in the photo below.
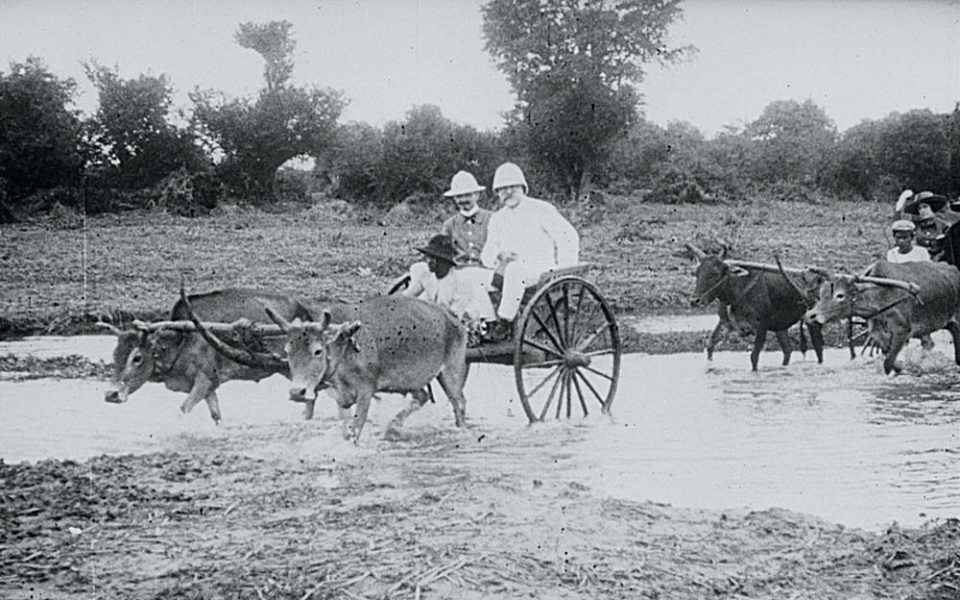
[{"x": 856, "y": 59}]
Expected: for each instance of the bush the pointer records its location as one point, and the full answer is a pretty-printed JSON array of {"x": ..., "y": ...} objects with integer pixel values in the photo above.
[{"x": 185, "y": 194}]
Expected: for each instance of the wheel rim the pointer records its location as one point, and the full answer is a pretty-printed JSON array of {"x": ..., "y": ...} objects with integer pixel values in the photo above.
[{"x": 567, "y": 356}]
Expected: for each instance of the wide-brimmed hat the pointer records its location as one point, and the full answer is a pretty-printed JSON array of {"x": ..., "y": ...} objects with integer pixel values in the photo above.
[
  {"x": 463, "y": 183},
  {"x": 934, "y": 201},
  {"x": 902, "y": 225},
  {"x": 441, "y": 247}
]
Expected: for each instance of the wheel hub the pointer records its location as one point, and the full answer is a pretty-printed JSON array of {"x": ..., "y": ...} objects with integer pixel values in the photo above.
[{"x": 574, "y": 359}]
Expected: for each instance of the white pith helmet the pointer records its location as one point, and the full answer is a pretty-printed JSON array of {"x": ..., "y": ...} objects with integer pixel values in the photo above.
[
  {"x": 509, "y": 174},
  {"x": 463, "y": 183}
]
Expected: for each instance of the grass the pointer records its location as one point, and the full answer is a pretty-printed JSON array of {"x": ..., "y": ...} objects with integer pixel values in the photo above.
[{"x": 117, "y": 267}]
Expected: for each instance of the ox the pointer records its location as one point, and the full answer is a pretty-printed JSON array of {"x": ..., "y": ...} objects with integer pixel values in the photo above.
[
  {"x": 183, "y": 361},
  {"x": 382, "y": 344},
  {"x": 752, "y": 301},
  {"x": 899, "y": 301}
]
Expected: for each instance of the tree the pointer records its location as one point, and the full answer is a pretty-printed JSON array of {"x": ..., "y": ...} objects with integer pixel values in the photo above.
[
  {"x": 790, "y": 143},
  {"x": 915, "y": 150},
  {"x": 574, "y": 66},
  {"x": 257, "y": 137},
  {"x": 274, "y": 43},
  {"x": 855, "y": 166},
  {"x": 41, "y": 141},
  {"x": 138, "y": 145},
  {"x": 420, "y": 154}
]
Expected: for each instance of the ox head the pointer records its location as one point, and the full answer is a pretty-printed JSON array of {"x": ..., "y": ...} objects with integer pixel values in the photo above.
[
  {"x": 712, "y": 272},
  {"x": 835, "y": 301},
  {"x": 135, "y": 358},
  {"x": 314, "y": 349}
]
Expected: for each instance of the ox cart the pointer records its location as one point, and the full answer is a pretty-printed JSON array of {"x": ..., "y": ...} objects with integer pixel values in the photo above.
[{"x": 565, "y": 349}]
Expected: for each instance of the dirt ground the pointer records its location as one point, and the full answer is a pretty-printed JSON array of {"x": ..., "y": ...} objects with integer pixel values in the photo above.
[{"x": 267, "y": 513}]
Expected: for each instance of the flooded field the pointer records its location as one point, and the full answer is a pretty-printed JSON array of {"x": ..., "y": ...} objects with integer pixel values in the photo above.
[{"x": 838, "y": 440}]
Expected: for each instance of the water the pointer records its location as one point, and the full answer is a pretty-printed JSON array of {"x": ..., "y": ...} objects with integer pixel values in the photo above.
[{"x": 838, "y": 440}]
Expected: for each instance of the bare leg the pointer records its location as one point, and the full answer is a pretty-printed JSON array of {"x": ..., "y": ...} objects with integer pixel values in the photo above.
[
  {"x": 202, "y": 386},
  {"x": 419, "y": 398},
  {"x": 758, "y": 343},
  {"x": 453, "y": 388},
  {"x": 954, "y": 329},
  {"x": 785, "y": 345},
  {"x": 360, "y": 416},
  {"x": 213, "y": 403},
  {"x": 890, "y": 360},
  {"x": 816, "y": 337}
]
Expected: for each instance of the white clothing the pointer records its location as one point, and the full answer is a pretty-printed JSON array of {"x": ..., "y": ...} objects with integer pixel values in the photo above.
[
  {"x": 461, "y": 290},
  {"x": 541, "y": 238},
  {"x": 917, "y": 254}
]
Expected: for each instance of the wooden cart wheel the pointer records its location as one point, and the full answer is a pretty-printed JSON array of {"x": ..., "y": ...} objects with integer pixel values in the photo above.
[{"x": 567, "y": 351}]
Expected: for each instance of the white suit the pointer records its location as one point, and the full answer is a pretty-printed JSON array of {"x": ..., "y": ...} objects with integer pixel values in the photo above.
[{"x": 541, "y": 238}]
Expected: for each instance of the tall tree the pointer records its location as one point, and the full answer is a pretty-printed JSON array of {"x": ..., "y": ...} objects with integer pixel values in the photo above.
[
  {"x": 257, "y": 137},
  {"x": 138, "y": 144},
  {"x": 575, "y": 66},
  {"x": 790, "y": 142},
  {"x": 41, "y": 134}
]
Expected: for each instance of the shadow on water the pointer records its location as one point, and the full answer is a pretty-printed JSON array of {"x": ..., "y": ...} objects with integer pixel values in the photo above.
[{"x": 838, "y": 440}]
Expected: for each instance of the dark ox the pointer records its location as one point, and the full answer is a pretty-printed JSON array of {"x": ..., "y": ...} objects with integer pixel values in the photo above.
[
  {"x": 755, "y": 302},
  {"x": 894, "y": 314},
  {"x": 382, "y": 344},
  {"x": 183, "y": 361}
]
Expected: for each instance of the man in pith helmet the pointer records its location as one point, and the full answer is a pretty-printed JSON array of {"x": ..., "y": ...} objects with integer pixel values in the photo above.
[
  {"x": 467, "y": 228},
  {"x": 526, "y": 238}
]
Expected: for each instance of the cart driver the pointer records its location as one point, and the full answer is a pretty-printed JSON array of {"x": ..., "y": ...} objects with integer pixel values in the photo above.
[{"x": 438, "y": 280}]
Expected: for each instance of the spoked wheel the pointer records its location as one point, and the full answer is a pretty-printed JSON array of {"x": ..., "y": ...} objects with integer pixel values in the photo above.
[{"x": 567, "y": 356}]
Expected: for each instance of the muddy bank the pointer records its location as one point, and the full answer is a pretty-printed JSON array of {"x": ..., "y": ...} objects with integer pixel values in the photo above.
[{"x": 279, "y": 512}]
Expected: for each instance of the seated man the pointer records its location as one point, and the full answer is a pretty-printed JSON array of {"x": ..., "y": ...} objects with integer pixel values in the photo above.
[
  {"x": 468, "y": 228},
  {"x": 437, "y": 280},
  {"x": 526, "y": 238}
]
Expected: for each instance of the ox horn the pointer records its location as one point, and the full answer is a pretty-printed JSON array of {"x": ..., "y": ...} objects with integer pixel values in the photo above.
[
  {"x": 277, "y": 318},
  {"x": 259, "y": 360},
  {"x": 697, "y": 252},
  {"x": 110, "y": 327},
  {"x": 790, "y": 280}
]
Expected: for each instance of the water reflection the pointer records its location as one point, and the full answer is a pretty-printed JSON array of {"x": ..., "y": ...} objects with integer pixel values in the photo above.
[{"x": 838, "y": 440}]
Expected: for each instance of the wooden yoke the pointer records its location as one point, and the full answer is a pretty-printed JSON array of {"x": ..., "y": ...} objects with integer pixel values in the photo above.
[
  {"x": 897, "y": 283},
  {"x": 770, "y": 268},
  {"x": 263, "y": 329}
]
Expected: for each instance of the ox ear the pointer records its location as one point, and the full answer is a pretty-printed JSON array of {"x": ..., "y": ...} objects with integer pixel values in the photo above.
[
  {"x": 738, "y": 271},
  {"x": 327, "y": 317},
  {"x": 110, "y": 327},
  {"x": 347, "y": 332}
]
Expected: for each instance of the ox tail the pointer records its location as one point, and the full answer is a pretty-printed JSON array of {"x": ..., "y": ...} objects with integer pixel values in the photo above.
[{"x": 249, "y": 358}]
